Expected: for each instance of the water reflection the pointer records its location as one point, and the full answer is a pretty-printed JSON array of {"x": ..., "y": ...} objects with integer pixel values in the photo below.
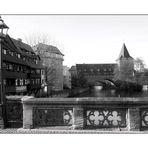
[{"x": 99, "y": 92}]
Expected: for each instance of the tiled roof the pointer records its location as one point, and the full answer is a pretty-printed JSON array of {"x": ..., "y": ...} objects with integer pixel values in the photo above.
[
  {"x": 95, "y": 66},
  {"x": 124, "y": 53},
  {"x": 48, "y": 48},
  {"x": 23, "y": 45},
  {"x": 72, "y": 68},
  {"x": 18, "y": 46}
]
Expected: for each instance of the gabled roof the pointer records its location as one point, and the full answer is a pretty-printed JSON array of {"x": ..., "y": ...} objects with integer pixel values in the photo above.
[
  {"x": 124, "y": 53},
  {"x": 23, "y": 45},
  {"x": 17, "y": 46}
]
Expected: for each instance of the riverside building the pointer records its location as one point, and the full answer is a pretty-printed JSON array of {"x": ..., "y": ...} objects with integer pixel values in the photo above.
[{"x": 21, "y": 67}]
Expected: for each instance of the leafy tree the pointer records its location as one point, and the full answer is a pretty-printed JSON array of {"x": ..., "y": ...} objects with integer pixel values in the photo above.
[
  {"x": 140, "y": 70},
  {"x": 139, "y": 65}
]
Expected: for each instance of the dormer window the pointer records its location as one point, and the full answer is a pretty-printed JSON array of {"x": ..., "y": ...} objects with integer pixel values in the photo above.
[{"x": 11, "y": 53}]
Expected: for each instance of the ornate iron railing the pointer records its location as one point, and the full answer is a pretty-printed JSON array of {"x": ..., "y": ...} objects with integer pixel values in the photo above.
[
  {"x": 105, "y": 118},
  {"x": 52, "y": 117},
  {"x": 144, "y": 118}
]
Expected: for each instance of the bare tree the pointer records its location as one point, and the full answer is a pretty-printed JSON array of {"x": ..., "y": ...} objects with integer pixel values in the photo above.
[{"x": 35, "y": 38}]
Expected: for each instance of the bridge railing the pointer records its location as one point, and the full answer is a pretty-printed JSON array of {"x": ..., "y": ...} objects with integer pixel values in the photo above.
[{"x": 112, "y": 113}]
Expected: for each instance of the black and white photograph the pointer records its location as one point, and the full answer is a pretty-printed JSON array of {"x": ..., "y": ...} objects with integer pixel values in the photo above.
[{"x": 73, "y": 74}]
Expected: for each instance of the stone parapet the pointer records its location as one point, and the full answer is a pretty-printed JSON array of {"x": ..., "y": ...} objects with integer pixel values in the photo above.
[{"x": 120, "y": 114}]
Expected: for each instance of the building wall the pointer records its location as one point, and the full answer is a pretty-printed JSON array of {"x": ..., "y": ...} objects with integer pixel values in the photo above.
[
  {"x": 126, "y": 68},
  {"x": 54, "y": 72},
  {"x": 20, "y": 67},
  {"x": 66, "y": 77},
  {"x": 52, "y": 60},
  {"x": 95, "y": 72}
]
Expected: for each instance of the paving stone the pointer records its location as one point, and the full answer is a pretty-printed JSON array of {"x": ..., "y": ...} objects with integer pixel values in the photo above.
[{"x": 64, "y": 131}]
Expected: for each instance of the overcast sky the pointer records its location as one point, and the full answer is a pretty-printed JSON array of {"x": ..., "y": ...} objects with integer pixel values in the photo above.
[{"x": 86, "y": 38}]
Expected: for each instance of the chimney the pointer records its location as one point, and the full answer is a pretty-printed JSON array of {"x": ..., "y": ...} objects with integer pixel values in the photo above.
[{"x": 19, "y": 39}]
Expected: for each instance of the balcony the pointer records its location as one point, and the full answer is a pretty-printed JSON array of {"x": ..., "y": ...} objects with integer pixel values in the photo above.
[
  {"x": 13, "y": 74},
  {"x": 13, "y": 89}
]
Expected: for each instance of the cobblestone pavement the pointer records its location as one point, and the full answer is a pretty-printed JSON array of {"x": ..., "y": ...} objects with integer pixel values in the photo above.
[{"x": 63, "y": 131}]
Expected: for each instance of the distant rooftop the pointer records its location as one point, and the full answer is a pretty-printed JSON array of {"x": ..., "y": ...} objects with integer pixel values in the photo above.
[
  {"x": 124, "y": 53},
  {"x": 48, "y": 48},
  {"x": 73, "y": 68}
]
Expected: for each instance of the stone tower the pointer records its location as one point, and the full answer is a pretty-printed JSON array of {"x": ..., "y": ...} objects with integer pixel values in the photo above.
[
  {"x": 125, "y": 65},
  {"x": 52, "y": 59}
]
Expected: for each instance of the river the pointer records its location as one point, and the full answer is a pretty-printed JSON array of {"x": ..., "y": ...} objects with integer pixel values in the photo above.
[{"x": 97, "y": 92}]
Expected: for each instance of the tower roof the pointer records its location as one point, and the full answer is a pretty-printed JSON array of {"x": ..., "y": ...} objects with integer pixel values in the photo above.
[{"x": 124, "y": 53}]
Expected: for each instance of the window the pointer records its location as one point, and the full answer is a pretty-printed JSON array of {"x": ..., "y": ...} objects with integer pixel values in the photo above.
[
  {"x": 25, "y": 82},
  {"x": 18, "y": 55},
  {"x": 7, "y": 66},
  {"x": 91, "y": 70},
  {"x": 4, "y": 65},
  {"x": 10, "y": 67},
  {"x": 21, "y": 68},
  {"x": 24, "y": 58},
  {"x": 16, "y": 82},
  {"x": 42, "y": 72},
  {"x": 38, "y": 71},
  {"x": 28, "y": 81},
  {"x": 32, "y": 71},
  {"x": 21, "y": 81},
  {"x": 4, "y": 51},
  {"x": 38, "y": 81},
  {"x": 18, "y": 69},
  {"x": 4, "y": 81},
  {"x": 104, "y": 69}
]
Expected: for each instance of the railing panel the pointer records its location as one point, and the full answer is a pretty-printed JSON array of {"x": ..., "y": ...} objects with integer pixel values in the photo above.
[
  {"x": 52, "y": 117},
  {"x": 14, "y": 111},
  {"x": 144, "y": 118},
  {"x": 105, "y": 118}
]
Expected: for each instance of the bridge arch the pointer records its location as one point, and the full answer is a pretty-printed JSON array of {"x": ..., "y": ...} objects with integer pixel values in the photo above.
[{"x": 106, "y": 81}]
